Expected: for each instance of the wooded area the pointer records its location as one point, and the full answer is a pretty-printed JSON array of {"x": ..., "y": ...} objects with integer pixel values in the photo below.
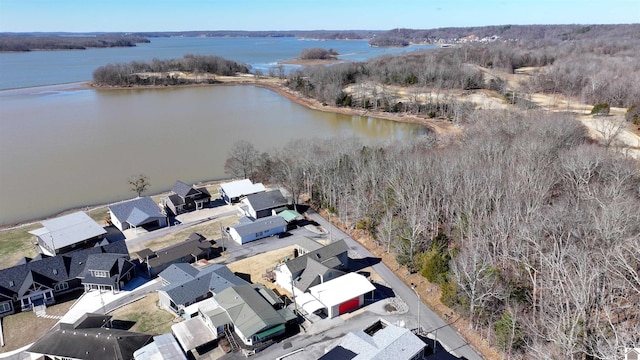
[
  {"x": 163, "y": 72},
  {"x": 26, "y": 42},
  {"x": 531, "y": 229}
]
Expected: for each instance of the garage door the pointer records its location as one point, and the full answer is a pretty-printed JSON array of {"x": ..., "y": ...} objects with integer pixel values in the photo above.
[{"x": 348, "y": 305}]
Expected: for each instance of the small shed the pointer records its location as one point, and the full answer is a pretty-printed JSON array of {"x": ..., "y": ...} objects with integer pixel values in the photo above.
[{"x": 343, "y": 294}]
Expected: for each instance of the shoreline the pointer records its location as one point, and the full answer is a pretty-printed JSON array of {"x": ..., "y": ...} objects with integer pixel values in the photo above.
[{"x": 273, "y": 84}]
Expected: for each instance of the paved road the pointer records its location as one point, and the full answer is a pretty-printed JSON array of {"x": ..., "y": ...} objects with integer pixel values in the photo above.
[{"x": 429, "y": 320}]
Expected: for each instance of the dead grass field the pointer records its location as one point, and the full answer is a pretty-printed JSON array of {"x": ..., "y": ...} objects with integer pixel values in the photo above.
[
  {"x": 209, "y": 229},
  {"x": 255, "y": 266},
  {"x": 24, "y": 328},
  {"x": 149, "y": 318}
]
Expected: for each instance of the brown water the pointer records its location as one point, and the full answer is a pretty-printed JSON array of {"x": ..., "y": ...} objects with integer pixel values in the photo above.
[{"x": 62, "y": 148}]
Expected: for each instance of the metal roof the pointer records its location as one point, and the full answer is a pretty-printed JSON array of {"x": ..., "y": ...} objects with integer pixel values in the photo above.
[
  {"x": 341, "y": 289},
  {"x": 239, "y": 188},
  {"x": 163, "y": 347},
  {"x": 263, "y": 224},
  {"x": 68, "y": 230},
  {"x": 390, "y": 343}
]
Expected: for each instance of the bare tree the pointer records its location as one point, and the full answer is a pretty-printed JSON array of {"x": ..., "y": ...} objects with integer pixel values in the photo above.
[
  {"x": 139, "y": 184},
  {"x": 242, "y": 160}
]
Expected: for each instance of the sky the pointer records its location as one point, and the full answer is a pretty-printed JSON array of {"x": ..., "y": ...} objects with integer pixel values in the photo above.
[{"x": 184, "y": 15}]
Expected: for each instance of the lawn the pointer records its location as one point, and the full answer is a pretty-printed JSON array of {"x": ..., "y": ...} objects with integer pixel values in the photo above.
[
  {"x": 149, "y": 318},
  {"x": 257, "y": 265},
  {"x": 16, "y": 244},
  {"x": 209, "y": 229}
]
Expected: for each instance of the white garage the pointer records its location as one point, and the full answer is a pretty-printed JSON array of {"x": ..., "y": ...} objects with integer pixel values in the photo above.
[{"x": 343, "y": 294}]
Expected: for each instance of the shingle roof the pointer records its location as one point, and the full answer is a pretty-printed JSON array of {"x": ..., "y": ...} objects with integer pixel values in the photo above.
[
  {"x": 95, "y": 343},
  {"x": 326, "y": 255},
  {"x": 389, "y": 343},
  {"x": 50, "y": 270},
  {"x": 68, "y": 230},
  {"x": 164, "y": 346},
  {"x": 266, "y": 200},
  {"x": 183, "y": 190},
  {"x": 136, "y": 212},
  {"x": 313, "y": 270},
  {"x": 188, "y": 286},
  {"x": 195, "y": 245}
]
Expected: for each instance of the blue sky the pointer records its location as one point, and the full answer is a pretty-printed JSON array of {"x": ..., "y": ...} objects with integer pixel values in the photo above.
[{"x": 179, "y": 15}]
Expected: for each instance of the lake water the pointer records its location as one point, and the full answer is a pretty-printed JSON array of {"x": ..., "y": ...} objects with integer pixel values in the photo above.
[{"x": 63, "y": 147}]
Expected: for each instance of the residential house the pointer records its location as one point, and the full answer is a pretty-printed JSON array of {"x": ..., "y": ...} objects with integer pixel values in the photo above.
[
  {"x": 194, "y": 248},
  {"x": 381, "y": 340},
  {"x": 67, "y": 233},
  {"x": 139, "y": 212},
  {"x": 232, "y": 192},
  {"x": 253, "y": 317},
  {"x": 39, "y": 280},
  {"x": 185, "y": 285},
  {"x": 66, "y": 341},
  {"x": 163, "y": 347},
  {"x": 264, "y": 204},
  {"x": 313, "y": 267},
  {"x": 186, "y": 198},
  {"x": 343, "y": 294},
  {"x": 107, "y": 272},
  {"x": 247, "y": 230}
]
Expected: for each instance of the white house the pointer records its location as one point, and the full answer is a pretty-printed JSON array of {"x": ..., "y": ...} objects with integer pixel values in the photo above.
[
  {"x": 231, "y": 192},
  {"x": 67, "y": 233},
  {"x": 250, "y": 231},
  {"x": 343, "y": 294}
]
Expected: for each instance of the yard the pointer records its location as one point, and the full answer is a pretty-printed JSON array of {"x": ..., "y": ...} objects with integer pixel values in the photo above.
[
  {"x": 255, "y": 266},
  {"x": 147, "y": 315},
  {"x": 210, "y": 229},
  {"x": 24, "y": 328}
]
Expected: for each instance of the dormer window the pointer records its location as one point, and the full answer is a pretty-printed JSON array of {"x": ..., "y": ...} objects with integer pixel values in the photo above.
[
  {"x": 55, "y": 271},
  {"x": 11, "y": 283}
]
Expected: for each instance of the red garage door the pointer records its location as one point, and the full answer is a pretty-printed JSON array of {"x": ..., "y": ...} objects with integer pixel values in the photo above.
[{"x": 348, "y": 305}]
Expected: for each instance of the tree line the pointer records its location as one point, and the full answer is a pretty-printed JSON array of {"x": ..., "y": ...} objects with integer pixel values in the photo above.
[
  {"x": 11, "y": 42},
  {"x": 530, "y": 229},
  {"x": 161, "y": 72},
  {"x": 593, "y": 70}
]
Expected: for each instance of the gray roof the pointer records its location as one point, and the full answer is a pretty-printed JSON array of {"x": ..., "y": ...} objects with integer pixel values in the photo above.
[
  {"x": 68, "y": 230},
  {"x": 263, "y": 224},
  {"x": 267, "y": 200},
  {"x": 313, "y": 271},
  {"x": 183, "y": 190},
  {"x": 186, "y": 287},
  {"x": 48, "y": 271},
  {"x": 136, "y": 212},
  {"x": 248, "y": 310},
  {"x": 196, "y": 245},
  {"x": 95, "y": 343},
  {"x": 390, "y": 343},
  {"x": 163, "y": 347},
  {"x": 326, "y": 255}
]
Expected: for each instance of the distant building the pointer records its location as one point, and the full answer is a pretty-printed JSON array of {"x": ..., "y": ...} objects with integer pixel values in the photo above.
[
  {"x": 67, "y": 233},
  {"x": 381, "y": 340},
  {"x": 139, "y": 212},
  {"x": 232, "y": 192},
  {"x": 186, "y": 198}
]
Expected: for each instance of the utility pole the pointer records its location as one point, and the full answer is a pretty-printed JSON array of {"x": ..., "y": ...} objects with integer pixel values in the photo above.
[{"x": 413, "y": 287}]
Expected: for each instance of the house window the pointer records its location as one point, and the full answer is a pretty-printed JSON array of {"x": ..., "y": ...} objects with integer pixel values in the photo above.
[
  {"x": 61, "y": 286},
  {"x": 11, "y": 283},
  {"x": 99, "y": 273},
  {"x": 4, "y": 307},
  {"x": 55, "y": 271},
  {"x": 259, "y": 234}
]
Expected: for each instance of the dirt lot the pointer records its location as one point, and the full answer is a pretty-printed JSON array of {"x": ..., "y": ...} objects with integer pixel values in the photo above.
[{"x": 255, "y": 266}]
